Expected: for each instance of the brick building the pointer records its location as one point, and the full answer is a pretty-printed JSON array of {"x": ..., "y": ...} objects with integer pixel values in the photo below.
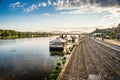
[{"x": 117, "y": 29}]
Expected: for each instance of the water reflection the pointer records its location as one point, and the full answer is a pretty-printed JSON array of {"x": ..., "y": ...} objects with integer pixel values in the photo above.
[
  {"x": 26, "y": 59},
  {"x": 56, "y": 53}
]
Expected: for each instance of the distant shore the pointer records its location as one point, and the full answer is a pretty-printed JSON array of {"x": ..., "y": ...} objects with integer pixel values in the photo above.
[{"x": 12, "y": 34}]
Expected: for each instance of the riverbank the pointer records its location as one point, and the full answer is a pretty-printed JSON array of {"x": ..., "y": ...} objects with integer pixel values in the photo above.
[
  {"x": 12, "y": 34},
  {"x": 19, "y": 37}
]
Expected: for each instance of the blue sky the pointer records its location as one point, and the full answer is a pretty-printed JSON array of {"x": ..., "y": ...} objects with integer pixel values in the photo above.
[{"x": 48, "y": 15}]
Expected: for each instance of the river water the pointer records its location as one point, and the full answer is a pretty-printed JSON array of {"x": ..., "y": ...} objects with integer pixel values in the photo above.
[{"x": 26, "y": 59}]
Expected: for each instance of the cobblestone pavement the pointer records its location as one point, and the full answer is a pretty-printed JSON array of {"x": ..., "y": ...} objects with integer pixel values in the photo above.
[{"x": 92, "y": 61}]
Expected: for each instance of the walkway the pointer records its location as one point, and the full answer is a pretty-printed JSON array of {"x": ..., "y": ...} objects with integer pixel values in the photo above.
[
  {"x": 92, "y": 61},
  {"x": 111, "y": 41}
]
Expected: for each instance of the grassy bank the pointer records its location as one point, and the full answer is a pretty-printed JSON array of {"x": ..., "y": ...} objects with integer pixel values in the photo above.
[
  {"x": 59, "y": 65},
  {"x": 12, "y": 34}
]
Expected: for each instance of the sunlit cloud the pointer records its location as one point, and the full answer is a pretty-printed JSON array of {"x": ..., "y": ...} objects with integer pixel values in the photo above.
[
  {"x": 17, "y": 5},
  {"x": 115, "y": 12},
  {"x": 13, "y": 5},
  {"x": 76, "y": 6},
  {"x": 47, "y": 14},
  {"x": 30, "y": 8},
  {"x": 49, "y": 2},
  {"x": 44, "y": 4},
  {"x": 89, "y": 6},
  {"x": 54, "y": 4}
]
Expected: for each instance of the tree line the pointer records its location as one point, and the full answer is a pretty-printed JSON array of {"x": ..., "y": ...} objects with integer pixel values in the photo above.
[
  {"x": 106, "y": 33},
  {"x": 12, "y": 34}
]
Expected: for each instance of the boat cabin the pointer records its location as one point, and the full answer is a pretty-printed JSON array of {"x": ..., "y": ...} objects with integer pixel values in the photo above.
[{"x": 58, "y": 44}]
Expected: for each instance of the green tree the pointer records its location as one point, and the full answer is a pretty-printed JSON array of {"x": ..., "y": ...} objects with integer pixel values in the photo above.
[{"x": 112, "y": 35}]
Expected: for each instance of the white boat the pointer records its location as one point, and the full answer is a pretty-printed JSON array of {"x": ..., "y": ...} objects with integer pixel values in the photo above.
[{"x": 58, "y": 45}]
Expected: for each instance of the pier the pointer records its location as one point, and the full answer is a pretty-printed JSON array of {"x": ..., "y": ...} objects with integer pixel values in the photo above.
[{"x": 91, "y": 60}]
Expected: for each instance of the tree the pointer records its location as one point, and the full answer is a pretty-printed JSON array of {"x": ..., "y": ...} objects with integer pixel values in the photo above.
[{"x": 112, "y": 35}]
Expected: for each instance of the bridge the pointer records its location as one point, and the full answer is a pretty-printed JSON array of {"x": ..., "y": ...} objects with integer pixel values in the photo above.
[{"x": 68, "y": 32}]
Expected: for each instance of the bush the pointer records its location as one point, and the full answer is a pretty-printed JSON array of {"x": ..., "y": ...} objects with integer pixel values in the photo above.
[
  {"x": 63, "y": 62},
  {"x": 68, "y": 53},
  {"x": 64, "y": 58},
  {"x": 45, "y": 78},
  {"x": 57, "y": 67},
  {"x": 72, "y": 48},
  {"x": 55, "y": 71},
  {"x": 53, "y": 76},
  {"x": 112, "y": 35},
  {"x": 58, "y": 63}
]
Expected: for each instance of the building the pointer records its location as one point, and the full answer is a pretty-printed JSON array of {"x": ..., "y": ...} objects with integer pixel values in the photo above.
[
  {"x": 117, "y": 30},
  {"x": 58, "y": 45}
]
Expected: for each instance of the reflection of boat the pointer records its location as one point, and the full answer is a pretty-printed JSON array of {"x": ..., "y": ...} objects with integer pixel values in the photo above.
[
  {"x": 58, "y": 45},
  {"x": 58, "y": 53}
]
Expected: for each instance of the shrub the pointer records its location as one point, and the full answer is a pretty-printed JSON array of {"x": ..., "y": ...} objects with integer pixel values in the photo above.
[
  {"x": 68, "y": 53},
  {"x": 72, "y": 47},
  {"x": 55, "y": 71},
  {"x": 112, "y": 35},
  {"x": 63, "y": 62},
  {"x": 58, "y": 63},
  {"x": 45, "y": 78},
  {"x": 64, "y": 58},
  {"x": 53, "y": 76},
  {"x": 57, "y": 67}
]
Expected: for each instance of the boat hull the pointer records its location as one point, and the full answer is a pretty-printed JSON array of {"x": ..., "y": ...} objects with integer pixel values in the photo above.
[{"x": 57, "y": 49}]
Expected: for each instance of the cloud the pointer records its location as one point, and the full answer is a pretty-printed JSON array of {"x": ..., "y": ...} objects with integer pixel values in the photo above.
[
  {"x": 39, "y": 4},
  {"x": 76, "y": 6},
  {"x": 89, "y": 6},
  {"x": 28, "y": 7},
  {"x": 31, "y": 8},
  {"x": 54, "y": 4},
  {"x": 17, "y": 4},
  {"x": 47, "y": 14},
  {"x": 49, "y": 2},
  {"x": 43, "y": 4},
  {"x": 114, "y": 12},
  {"x": 77, "y": 3},
  {"x": 35, "y": 6}
]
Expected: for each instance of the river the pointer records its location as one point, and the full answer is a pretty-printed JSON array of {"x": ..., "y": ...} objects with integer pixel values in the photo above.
[{"x": 26, "y": 59}]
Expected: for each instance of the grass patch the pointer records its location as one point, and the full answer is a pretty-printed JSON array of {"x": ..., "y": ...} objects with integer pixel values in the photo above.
[{"x": 72, "y": 48}]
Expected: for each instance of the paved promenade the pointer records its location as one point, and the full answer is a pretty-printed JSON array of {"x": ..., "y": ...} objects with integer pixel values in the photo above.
[
  {"x": 92, "y": 61},
  {"x": 111, "y": 41}
]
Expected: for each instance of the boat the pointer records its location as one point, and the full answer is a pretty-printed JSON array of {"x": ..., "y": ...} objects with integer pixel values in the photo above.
[{"x": 58, "y": 44}]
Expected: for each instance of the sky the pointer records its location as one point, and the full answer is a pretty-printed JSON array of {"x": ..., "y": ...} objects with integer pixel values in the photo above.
[{"x": 49, "y": 15}]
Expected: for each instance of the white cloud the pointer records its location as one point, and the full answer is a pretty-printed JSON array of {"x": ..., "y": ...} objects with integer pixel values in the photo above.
[
  {"x": 49, "y": 2},
  {"x": 27, "y": 7},
  {"x": 115, "y": 12},
  {"x": 35, "y": 6},
  {"x": 47, "y": 14},
  {"x": 76, "y": 6},
  {"x": 43, "y": 4},
  {"x": 14, "y": 5},
  {"x": 31, "y": 8},
  {"x": 88, "y": 6},
  {"x": 54, "y": 4},
  {"x": 39, "y": 4},
  {"x": 17, "y": 5}
]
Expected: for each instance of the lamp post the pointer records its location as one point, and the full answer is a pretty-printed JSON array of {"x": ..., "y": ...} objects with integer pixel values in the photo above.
[{"x": 102, "y": 37}]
